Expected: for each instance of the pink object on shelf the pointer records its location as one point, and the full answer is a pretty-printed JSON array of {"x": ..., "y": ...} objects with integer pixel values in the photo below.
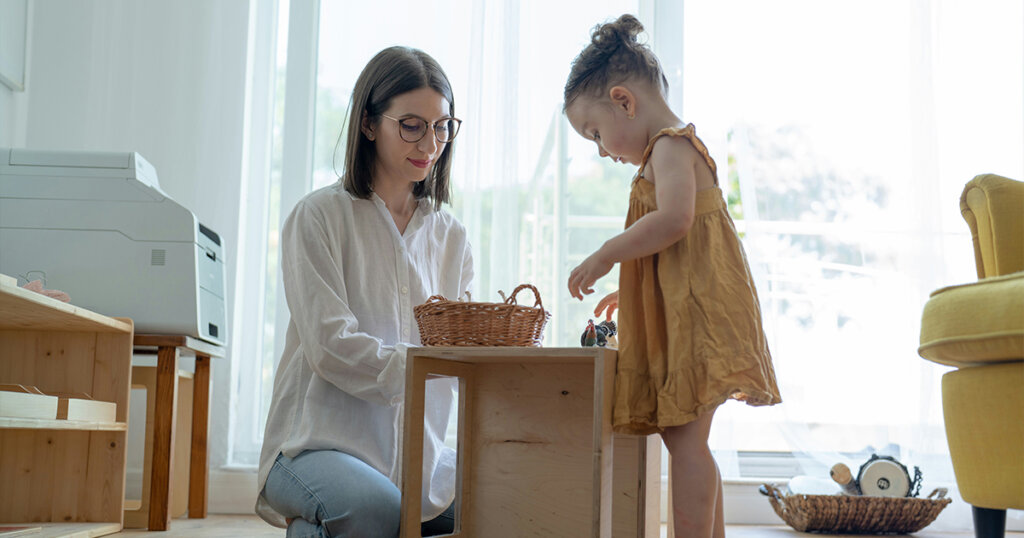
[{"x": 37, "y": 286}]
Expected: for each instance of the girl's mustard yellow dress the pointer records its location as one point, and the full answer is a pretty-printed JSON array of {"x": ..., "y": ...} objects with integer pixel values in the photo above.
[{"x": 690, "y": 334}]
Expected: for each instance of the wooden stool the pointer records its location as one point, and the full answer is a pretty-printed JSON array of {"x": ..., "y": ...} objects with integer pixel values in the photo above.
[
  {"x": 136, "y": 512},
  {"x": 166, "y": 403},
  {"x": 535, "y": 446}
]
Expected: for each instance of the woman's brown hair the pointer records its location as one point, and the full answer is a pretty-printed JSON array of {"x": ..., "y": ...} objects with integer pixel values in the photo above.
[
  {"x": 392, "y": 72},
  {"x": 613, "y": 56}
]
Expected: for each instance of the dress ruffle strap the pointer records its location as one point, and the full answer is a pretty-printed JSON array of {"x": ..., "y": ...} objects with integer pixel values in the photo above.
[{"x": 690, "y": 133}]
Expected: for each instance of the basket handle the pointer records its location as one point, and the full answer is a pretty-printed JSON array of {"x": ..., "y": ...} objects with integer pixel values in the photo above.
[
  {"x": 512, "y": 298},
  {"x": 915, "y": 484},
  {"x": 941, "y": 493},
  {"x": 436, "y": 299},
  {"x": 774, "y": 495},
  {"x": 769, "y": 490}
]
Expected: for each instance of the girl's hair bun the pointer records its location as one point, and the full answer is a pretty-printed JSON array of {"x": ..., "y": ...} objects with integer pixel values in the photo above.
[
  {"x": 613, "y": 56},
  {"x": 610, "y": 36}
]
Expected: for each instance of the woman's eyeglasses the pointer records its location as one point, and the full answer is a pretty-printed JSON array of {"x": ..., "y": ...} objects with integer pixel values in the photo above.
[{"x": 413, "y": 129}]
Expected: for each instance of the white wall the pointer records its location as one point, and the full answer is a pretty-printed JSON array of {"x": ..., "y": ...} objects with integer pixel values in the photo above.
[
  {"x": 12, "y": 126},
  {"x": 14, "y": 104},
  {"x": 165, "y": 79}
]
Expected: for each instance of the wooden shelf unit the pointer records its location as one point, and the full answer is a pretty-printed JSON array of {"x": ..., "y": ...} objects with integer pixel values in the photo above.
[{"x": 67, "y": 476}]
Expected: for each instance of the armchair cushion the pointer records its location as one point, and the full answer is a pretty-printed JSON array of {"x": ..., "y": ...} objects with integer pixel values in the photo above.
[{"x": 977, "y": 323}]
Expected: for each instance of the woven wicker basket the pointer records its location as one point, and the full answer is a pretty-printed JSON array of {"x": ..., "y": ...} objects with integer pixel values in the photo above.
[
  {"x": 849, "y": 514},
  {"x": 464, "y": 323}
]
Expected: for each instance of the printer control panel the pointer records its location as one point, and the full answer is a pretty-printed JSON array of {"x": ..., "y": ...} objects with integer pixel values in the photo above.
[{"x": 210, "y": 260}]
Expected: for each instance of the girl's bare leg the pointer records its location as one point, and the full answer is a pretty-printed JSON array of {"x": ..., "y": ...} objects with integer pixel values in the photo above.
[{"x": 696, "y": 482}]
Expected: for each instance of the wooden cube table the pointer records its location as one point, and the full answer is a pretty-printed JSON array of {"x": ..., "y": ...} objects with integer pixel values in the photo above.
[{"x": 535, "y": 446}]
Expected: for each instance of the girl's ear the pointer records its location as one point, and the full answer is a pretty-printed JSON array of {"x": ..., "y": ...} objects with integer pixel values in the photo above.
[
  {"x": 623, "y": 100},
  {"x": 366, "y": 127}
]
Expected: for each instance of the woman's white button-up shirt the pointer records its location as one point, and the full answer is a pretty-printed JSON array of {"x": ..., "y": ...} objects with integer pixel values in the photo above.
[{"x": 351, "y": 281}]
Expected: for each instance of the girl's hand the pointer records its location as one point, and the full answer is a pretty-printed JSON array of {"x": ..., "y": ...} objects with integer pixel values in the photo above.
[
  {"x": 582, "y": 278},
  {"x": 610, "y": 302}
]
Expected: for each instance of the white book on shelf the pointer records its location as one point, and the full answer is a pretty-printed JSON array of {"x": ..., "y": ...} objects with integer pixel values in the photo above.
[
  {"x": 26, "y": 402},
  {"x": 84, "y": 408}
]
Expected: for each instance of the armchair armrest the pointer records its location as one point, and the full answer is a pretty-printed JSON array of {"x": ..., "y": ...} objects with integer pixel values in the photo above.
[{"x": 993, "y": 207}]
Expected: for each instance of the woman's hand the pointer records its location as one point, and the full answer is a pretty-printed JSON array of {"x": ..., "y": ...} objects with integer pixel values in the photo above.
[
  {"x": 582, "y": 278},
  {"x": 610, "y": 302}
]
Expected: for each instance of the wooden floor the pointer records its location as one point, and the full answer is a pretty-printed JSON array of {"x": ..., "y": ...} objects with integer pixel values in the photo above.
[
  {"x": 213, "y": 526},
  {"x": 225, "y": 526}
]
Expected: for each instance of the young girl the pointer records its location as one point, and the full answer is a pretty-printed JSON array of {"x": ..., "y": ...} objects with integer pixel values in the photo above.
[
  {"x": 356, "y": 257},
  {"x": 690, "y": 333}
]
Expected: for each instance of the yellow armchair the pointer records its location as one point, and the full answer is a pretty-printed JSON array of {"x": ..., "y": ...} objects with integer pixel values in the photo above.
[{"x": 979, "y": 328}]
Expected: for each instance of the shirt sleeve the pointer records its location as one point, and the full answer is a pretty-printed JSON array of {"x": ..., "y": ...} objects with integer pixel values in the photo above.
[
  {"x": 316, "y": 291},
  {"x": 467, "y": 271}
]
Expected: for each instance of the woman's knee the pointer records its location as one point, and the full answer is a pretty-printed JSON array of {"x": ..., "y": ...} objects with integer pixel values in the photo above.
[
  {"x": 369, "y": 516},
  {"x": 355, "y": 499},
  {"x": 376, "y": 514},
  {"x": 338, "y": 492}
]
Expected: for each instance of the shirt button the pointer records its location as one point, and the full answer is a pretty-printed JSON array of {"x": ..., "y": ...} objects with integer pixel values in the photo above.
[
  {"x": 405, "y": 290},
  {"x": 405, "y": 333}
]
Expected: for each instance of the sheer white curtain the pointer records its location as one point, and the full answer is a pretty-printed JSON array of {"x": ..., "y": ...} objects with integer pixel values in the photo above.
[
  {"x": 533, "y": 195},
  {"x": 846, "y": 131}
]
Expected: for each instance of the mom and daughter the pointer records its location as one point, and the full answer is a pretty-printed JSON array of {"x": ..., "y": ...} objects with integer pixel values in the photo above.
[{"x": 360, "y": 254}]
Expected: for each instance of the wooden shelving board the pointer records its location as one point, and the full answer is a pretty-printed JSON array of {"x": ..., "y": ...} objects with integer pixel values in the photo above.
[
  {"x": 21, "y": 309},
  {"x": 54, "y": 424}
]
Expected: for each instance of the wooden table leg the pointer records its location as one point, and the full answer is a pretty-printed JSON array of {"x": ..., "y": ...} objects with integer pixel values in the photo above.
[
  {"x": 198, "y": 476},
  {"x": 412, "y": 450},
  {"x": 163, "y": 438}
]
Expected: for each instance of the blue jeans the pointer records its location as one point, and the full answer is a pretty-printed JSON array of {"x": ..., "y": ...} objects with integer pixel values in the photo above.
[{"x": 334, "y": 494}]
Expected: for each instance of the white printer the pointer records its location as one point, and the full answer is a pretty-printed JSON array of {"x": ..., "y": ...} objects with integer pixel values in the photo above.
[{"x": 97, "y": 226}]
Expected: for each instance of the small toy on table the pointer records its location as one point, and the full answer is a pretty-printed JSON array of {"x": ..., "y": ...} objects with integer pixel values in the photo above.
[{"x": 602, "y": 334}]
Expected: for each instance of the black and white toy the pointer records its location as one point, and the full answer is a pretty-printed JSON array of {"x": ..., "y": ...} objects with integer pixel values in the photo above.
[
  {"x": 600, "y": 335},
  {"x": 880, "y": 476}
]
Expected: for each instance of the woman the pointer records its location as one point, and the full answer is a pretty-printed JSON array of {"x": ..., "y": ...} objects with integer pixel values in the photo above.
[{"x": 356, "y": 257}]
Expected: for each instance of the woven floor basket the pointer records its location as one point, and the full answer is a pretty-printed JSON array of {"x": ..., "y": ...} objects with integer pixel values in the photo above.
[
  {"x": 846, "y": 514},
  {"x": 464, "y": 323}
]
